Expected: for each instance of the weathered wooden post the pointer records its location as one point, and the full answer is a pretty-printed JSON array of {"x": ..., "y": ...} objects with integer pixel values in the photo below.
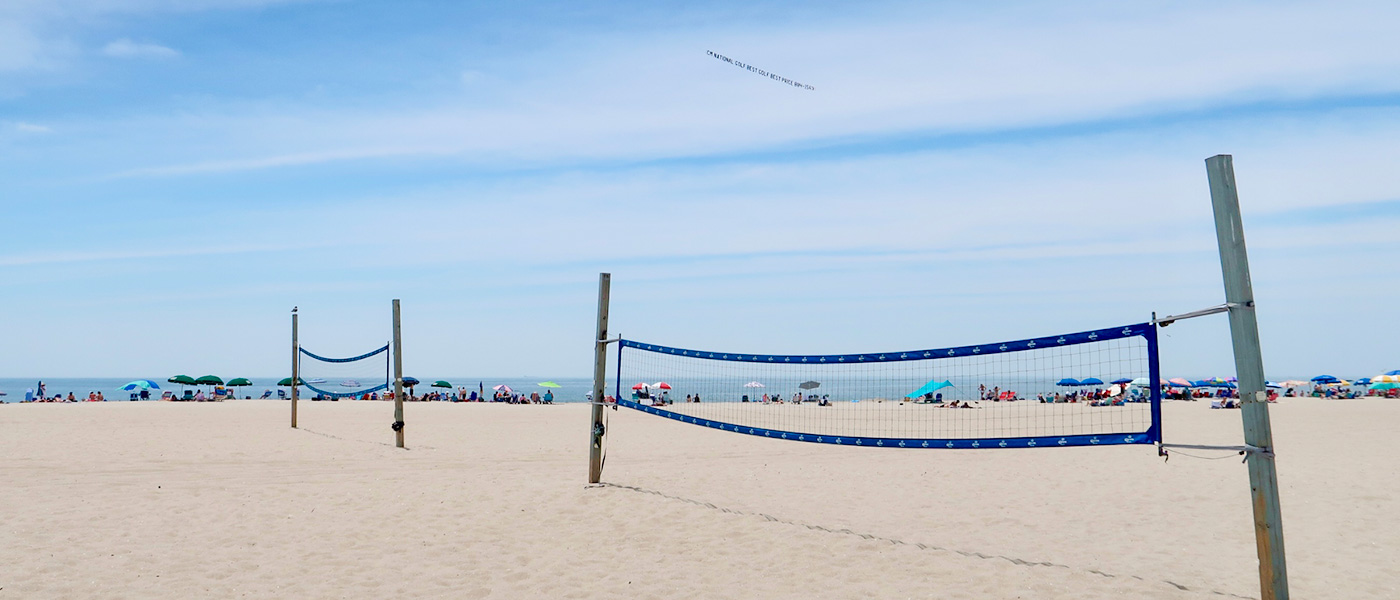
[
  {"x": 600, "y": 365},
  {"x": 1249, "y": 368}
]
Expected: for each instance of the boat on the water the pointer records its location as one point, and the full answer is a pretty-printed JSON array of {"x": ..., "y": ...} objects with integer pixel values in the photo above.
[
  {"x": 315, "y": 381},
  {"x": 349, "y": 383}
]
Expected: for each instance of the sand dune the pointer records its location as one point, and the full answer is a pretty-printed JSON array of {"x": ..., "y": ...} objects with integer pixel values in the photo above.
[{"x": 224, "y": 500}]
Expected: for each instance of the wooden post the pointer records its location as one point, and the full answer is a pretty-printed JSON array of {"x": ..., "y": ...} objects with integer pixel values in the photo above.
[
  {"x": 600, "y": 366},
  {"x": 296, "y": 363},
  {"x": 398, "y": 379},
  {"x": 1249, "y": 368}
]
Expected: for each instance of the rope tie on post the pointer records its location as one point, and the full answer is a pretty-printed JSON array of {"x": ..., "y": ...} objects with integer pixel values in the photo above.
[{"x": 397, "y": 426}]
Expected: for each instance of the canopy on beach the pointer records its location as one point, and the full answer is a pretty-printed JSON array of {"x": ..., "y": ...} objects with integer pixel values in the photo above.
[
  {"x": 144, "y": 384},
  {"x": 209, "y": 380},
  {"x": 932, "y": 386},
  {"x": 809, "y": 385},
  {"x": 441, "y": 384},
  {"x": 182, "y": 380},
  {"x": 1388, "y": 385}
]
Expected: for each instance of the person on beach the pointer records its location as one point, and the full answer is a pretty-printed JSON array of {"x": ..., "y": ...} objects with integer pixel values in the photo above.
[{"x": 549, "y": 397}]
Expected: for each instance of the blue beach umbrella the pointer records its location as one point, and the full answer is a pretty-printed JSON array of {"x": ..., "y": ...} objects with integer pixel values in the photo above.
[
  {"x": 1069, "y": 381},
  {"x": 1122, "y": 380},
  {"x": 1091, "y": 381},
  {"x": 142, "y": 384},
  {"x": 1324, "y": 379},
  {"x": 1395, "y": 372},
  {"x": 1363, "y": 381}
]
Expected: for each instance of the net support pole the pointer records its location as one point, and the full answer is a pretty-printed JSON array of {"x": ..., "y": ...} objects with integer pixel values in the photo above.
[
  {"x": 600, "y": 367},
  {"x": 398, "y": 379},
  {"x": 296, "y": 363},
  {"x": 1249, "y": 368}
]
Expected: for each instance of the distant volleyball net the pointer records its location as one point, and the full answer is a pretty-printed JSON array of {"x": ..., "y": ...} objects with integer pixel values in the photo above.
[
  {"x": 361, "y": 376},
  {"x": 1078, "y": 389}
]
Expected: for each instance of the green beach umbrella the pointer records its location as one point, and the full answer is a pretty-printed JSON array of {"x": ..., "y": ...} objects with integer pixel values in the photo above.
[
  {"x": 238, "y": 381},
  {"x": 182, "y": 380},
  {"x": 1384, "y": 385},
  {"x": 209, "y": 380},
  {"x": 442, "y": 384},
  {"x": 550, "y": 384},
  {"x": 287, "y": 381}
]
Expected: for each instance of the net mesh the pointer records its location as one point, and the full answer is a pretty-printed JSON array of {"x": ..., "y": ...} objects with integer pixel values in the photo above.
[
  {"x": 1011, "y": 394},
  {"x": 349, "y": 377}
]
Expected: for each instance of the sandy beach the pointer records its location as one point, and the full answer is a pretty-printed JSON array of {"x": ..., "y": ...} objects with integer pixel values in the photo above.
[{"x": 223, "y": 500}]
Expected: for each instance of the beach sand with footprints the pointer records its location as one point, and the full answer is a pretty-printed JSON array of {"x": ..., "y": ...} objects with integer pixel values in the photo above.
[{"x": 223, "y": 500}]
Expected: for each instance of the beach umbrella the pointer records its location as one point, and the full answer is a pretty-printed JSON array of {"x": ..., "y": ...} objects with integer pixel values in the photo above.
[
  {"x": 238, "y": 382},
  {"x": 441, "y": 384},
  {"x": 143, "y": 384},
  {"x": 1363, "y": 381},
  {"x": 182, "y": 380},
  {"x": 503, "y": 388},
  {"x": 549, "y": 384},
  {"x": 1122, "y": 381},
  {"x": 287, "y": 382},
  {"x": 1395, "y": 372},
  {"x": 661, "y": 385},
  {"x": 411, "y": 381},
  {"x": 1179, "y": 381},
  {"x": 209, "y": 380},
  {"x": 928, "y": 388},
  {"x": 809, "y": 385},
  {"x": 1323, "y": 379},
  {"x": 640, "y": 386},
  {"x": 1069, "y": 381},
  {"x": 1272, "y": 385},
  {"x": 753, "y": 384},
  {"x": 1292, "y": 383},
  {"x": 1386, "y": 379},
  {"x": 1388, "y": 385},
  {"x": 1091, "y": 381}
]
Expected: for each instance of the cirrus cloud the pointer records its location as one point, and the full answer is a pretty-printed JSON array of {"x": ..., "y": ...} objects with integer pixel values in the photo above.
[{"x": 125, "y": 48}]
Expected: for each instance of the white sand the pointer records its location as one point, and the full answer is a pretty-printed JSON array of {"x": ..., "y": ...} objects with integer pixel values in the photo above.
[{"x": 224, "y": 500}]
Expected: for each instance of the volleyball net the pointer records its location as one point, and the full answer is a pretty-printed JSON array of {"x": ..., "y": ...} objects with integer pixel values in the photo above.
[
  {"x": 352, "y": 377},
  {"x": 1078, "y": 389}
]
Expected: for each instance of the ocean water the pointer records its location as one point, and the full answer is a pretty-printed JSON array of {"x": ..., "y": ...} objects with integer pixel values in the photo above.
[{"x": 570, "y": 390}]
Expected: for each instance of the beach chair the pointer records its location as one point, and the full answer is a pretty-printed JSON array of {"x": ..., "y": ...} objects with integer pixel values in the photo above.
[
  {"x": 266, "y": 394},
  {"x": 188, "y": 397}
]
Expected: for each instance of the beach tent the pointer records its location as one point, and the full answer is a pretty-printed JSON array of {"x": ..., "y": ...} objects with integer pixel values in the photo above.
[{"x": 929, "y": 388}]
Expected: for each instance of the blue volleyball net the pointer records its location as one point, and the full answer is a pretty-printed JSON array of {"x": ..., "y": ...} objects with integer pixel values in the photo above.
[
  {"x": 1080, "y": 389},
  {"x": 362, "y": 376}
]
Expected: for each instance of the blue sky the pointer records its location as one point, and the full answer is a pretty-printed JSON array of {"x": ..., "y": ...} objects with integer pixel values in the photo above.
[{"x": 176, "y": 175}]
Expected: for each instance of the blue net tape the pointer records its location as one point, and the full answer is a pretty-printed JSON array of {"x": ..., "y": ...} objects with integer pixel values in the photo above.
[{"x": 344, "y": 360}]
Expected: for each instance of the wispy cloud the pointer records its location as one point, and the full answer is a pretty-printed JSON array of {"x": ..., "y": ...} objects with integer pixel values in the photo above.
[
  {"x": 32, "y": 128},
  {"x": 125, "y": 48}
]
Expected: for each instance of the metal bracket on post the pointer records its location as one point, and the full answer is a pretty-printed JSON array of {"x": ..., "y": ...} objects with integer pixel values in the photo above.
[{"x": 1214, "y": 310}]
